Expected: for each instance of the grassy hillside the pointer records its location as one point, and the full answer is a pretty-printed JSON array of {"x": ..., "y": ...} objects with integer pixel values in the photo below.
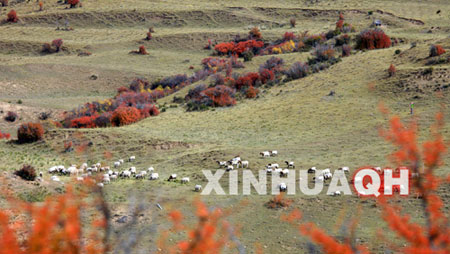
[{"x": 297, "y": 118}]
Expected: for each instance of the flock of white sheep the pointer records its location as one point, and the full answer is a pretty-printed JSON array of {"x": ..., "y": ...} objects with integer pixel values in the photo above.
[
  {"x": 85, "y": 171},
  {"x": 274, "y": 168}
]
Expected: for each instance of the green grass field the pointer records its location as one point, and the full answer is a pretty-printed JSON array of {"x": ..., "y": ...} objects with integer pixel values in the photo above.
[{"x": 296, "y": 118}]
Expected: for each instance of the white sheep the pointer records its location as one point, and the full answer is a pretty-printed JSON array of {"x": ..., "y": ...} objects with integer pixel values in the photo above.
[
  {"x": 106, "y": 180},
  {"x": 98, "y": 165},
  {"x": 100, "y": 185},
  {"x": 150, "y": 169},
  {"x": 55, "y": 179},
  {"x": 72, "y": 170},
  {"x": 121, "y": 161},
  {"x": 117, "y": 164},
  {"x": 244, "y": 164},
  {"x": 265, "y": 154},
  {"x": 222, "y": 163},
  {"x": 132, "y": 170},
  {"x": 282, "y": 187},
  {"x": 318, "y": 179},
  {"x": 278, "y": 171},
  {"x": 198, "y": 187},
  {"x": 230, "y": 167},
  {"x": 234, "y": 163},
  {"x": 327, "y": 175},
  {"x": 53, "y": 170},
  {"x": 284, "y": 173},
  {"x": 273, "y": 153},
  {"x": 41, "y": 174},
  {"x": 345, "y": 169},
  {"x": 172, "y": 177},
  {"x": 290, "y": 164},
  {"x": 143, "y": 173},
  {"x": 84, "y": 165},
  {"x": 312, "y": 170},
  {"x": 269, "y": 171},
  {"x": 185, "y": 180},
  {"x": 113, "y": 177},
  {"x": 139, "y": 176},
  {"x": 132, "y": 158},
  {"x": 125, "y": 173},
  {"x": 154, "y": 176}
]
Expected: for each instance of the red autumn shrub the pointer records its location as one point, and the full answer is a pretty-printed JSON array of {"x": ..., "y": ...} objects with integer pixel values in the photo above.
[
  {"x": 57, "y": 43},
  {"x": 279, "y": 201},
  {"x": 221, "y": 96},
  {"x": 373, "y": 39},
  {"x": 247, "y": 80},
  {"x": 30, "y": 132},
  {"x": 251, "y": 92},
  {"x": 73, "y": 3},
  {"x": 392, "y": 70},
  {"x": 125, "y": 115},
  {"x": 224, "y": 47},
  {"x": 288, "y": 36},
  {"x": 142, "y": 50},
  {"x": 436, "y": 50},
  {"x": 266, "y": 75},
  {"x": 149, "y": 110},
  {"x": 83, "y": 122},
  {"x": 149, "y": 36},
  {"x": 41, "y": 6},
  {"x": 12, "y": 17},
  {"x": 11, "y": 116}
]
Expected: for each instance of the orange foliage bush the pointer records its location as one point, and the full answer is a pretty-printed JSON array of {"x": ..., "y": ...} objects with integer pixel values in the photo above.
[
  {"x": 373, "y": 39},
  {"x": 251, "y": 92},
  {"x": 436, "y": 50},
  {"x": 209, "y": 236},
  {"x": 30, "y": 132},
  {"x": 255, "y": 33},
  {"x": 392, "y": 70},
  {"x": 142, "y": 50},
  {"x": 52, "y": 227},
  {"x": 12, "y": 16},
  {"x": 5, "y": 135},
  {"x": 125, "y": 115}
]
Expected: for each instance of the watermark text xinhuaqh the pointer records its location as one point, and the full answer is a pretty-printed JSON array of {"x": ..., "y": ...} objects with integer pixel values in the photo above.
[{"x": 365, "y": 181}]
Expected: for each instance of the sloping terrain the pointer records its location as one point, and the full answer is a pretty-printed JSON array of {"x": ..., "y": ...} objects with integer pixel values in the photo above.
[{"x": 299, "y": 118}]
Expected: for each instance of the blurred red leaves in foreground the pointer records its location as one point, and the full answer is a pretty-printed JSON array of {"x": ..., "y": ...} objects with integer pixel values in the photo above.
[{"x": 54, "y": 226}]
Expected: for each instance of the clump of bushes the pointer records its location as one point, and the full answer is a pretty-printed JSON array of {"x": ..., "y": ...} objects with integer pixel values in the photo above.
[
  {"x": 27, "y": 173},
  {"x": 254, "y": 34},
  {"x": 232, "y": 48},
  {"x": 30, "y": 132},
  {"x": 279, "y": 202},
  {"x": 322, "y": 53},
  {"x": 346, "y": 50},
  {"x": 142, "y": 50},
  {"x": 298, "y": 70},
  {"x": 203, "y": 97},
  {"x": 53, "y": 47},
  {"x": 11, "y": 116},
  {"x": 373, "y": 39},
  {"x": 436, "y": 50},
  {"x": 293, "y": 22},
  {"x": 12, "y": 16},
  {"x": 251, "y": 92},
  {"x": 392, "y": 70},
  {"x": 125, "y": 115}
]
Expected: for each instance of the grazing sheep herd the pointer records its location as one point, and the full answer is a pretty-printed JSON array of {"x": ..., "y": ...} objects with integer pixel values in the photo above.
[
  {"x": 109, "y": 175},
  {"x": 84, "y": 171}
]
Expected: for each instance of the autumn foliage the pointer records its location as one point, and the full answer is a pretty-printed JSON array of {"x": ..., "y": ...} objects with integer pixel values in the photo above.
[
  {"x": 436, "y": 50},
  {"x": 73, "y": 3},
  {"x": 142, "y": 50},
  {"x": 12, "y": 16},
  {"x": 54, "y": 226},
  {"x": 125, "y": 115},
  {"x": 392, "y": 70},
  {"x": 373, "y": 39},
  {"x": 30, "y": 132},
  {"x": 4, "y": 135}
]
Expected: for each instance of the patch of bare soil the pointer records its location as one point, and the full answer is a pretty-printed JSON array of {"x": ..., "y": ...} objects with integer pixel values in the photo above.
[{"x": 25, "y": 114}]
